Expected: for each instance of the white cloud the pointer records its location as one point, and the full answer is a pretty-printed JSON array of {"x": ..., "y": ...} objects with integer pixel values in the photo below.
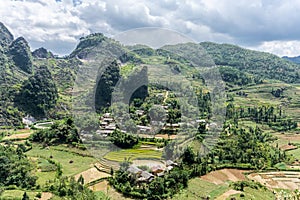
[
  {"x": 281, "y": 48},
  {"x": 57, "y": 25}
]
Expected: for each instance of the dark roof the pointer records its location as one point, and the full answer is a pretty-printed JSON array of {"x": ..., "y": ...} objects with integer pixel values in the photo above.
[
  {"x": 157, "y": 167},
  {"x": 161, "y": 174},
  {"x": 169, "y": 162},
  {"x": 134, "y": 170},
  {"x": 146, "y": 175}
]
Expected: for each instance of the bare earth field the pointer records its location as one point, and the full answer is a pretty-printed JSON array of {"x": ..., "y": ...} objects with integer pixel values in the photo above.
[
  {"x": 283, "y": 180},
  {"x": 21, "y": 134},
  {"x": 46, "y": 196},
  {"x": 91, "y": 174},
  {"x": 224, "y": 175},
  {"x": 102, "y": 186}
]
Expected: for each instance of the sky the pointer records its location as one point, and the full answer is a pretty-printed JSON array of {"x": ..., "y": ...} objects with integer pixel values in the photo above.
[{"x": 265, "y": 25}]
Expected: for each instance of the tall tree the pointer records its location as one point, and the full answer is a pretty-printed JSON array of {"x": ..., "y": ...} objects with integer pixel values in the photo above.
[{"x": 38, "y": 94}]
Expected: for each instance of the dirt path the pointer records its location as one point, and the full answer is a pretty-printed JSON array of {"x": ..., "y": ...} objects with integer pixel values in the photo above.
[
  {"x": 166, "y": 96},
  {"x": 227, "y": 194}
]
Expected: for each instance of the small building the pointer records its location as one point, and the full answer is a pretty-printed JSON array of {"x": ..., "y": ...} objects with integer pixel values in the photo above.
[
  {"x": 156, "y": 169},
  {"x": 110, "y": 127},
  {"x": 139, "y": 112},
  {"x": 160, "y": 174},
  {"x": 146, "y": 177},
  {"x": 143, "y": 129},
  {"x": 102, "y": 123},
  {"x": 106, "y": 115},
  {"x": 133, "y": 170},
  {"x": 200, "y": 121},
  {"x": 28, "y": 120},
  {"x": 169, "y": 168},
  {"x": 168, "y": 125},
  {"x": 104, "y": 133},
  {"x": 171, "y": 163},
  {"x": 108, "y": 120}
]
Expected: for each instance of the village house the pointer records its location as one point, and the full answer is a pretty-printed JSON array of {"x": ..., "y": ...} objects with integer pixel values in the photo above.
[
  {"x": 140, "y": 175},
  {"x": 170, "y": 165},
  {"x": 28, "y": 120},
  {"x": 143, "y": 129},
  {"x": 156, "y": 169},
  {"x": 140, "y": 112},
  {"x": 134, "y": 170},
  {"x": 107, "y": 125},
  {"x": 146, "y": 177}
]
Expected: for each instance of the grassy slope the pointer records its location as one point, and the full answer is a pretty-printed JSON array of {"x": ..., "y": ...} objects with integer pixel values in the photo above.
[
  {"x": 198, "y": 188},
  {"x": 80, "y": 163},
  {"x": 252, "y": 194}
]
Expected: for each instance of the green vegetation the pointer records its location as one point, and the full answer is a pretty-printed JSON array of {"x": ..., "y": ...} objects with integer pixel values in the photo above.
[
  {"x": 38, "y": 94},
  {"x": 250, "y": 193},
  {"x": 21, "y": 55},
  {"x": 159, "y": 188},
  {"x": 15, "y": 169},
  {"x": 133, "y": 154},
  {"x": 262, "y": 113},
  {"x": 259, "y": 64},
  {"x": 106, "y": 84},
  {"x": 59, "y": 133},
  {"x": 124, "y": 140},
  {"x": 68, "y": 188},
  {"x": 198, "y": 188},
  {"x": 79, "y": 164}
]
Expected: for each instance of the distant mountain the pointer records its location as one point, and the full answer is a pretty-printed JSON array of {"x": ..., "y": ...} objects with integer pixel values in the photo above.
[
  {"x": 19, "y": 70},
  {"x": 260, "y": 64},
  {"x": 293, "y": 59},
  {"x": 5, "y": 36}
]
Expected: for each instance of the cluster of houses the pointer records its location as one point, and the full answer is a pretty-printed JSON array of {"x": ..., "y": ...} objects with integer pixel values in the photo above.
[
  {"x": 107, "y": 125},
  {"x": 155, "y": 171}
]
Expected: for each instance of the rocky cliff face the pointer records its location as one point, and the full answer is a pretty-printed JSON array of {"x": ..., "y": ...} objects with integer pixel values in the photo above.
[
  {"x": 21, "y": 55},
  {"x": 5, "y": 36},
  {"x": 42, "y": 53}
]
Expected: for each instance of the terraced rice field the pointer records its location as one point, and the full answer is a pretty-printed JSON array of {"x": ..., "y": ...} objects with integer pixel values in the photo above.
[
  {"x": 224, "y": 175},
  {"x": 275, "y": 180}
]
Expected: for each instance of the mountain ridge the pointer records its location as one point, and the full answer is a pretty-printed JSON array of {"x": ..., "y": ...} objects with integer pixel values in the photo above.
[{"x": 238, "y": 66}]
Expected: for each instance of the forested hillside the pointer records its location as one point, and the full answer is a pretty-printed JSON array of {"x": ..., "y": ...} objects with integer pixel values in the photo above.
[
  {"x": 20, "y": 67},
  {"x": 259, "y": 64}
]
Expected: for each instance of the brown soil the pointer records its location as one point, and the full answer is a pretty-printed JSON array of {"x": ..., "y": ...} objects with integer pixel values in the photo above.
[
  {"x": 46, "y": 196},
  {"x": 102, "y": 186},
  {"x": 18, "y": 136},
  {"x": 283, "y": 180},
  {"x": 223, "y": 175},
  {"x": 288, "y": 147},
  {"x": 91, "y": 174}
]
